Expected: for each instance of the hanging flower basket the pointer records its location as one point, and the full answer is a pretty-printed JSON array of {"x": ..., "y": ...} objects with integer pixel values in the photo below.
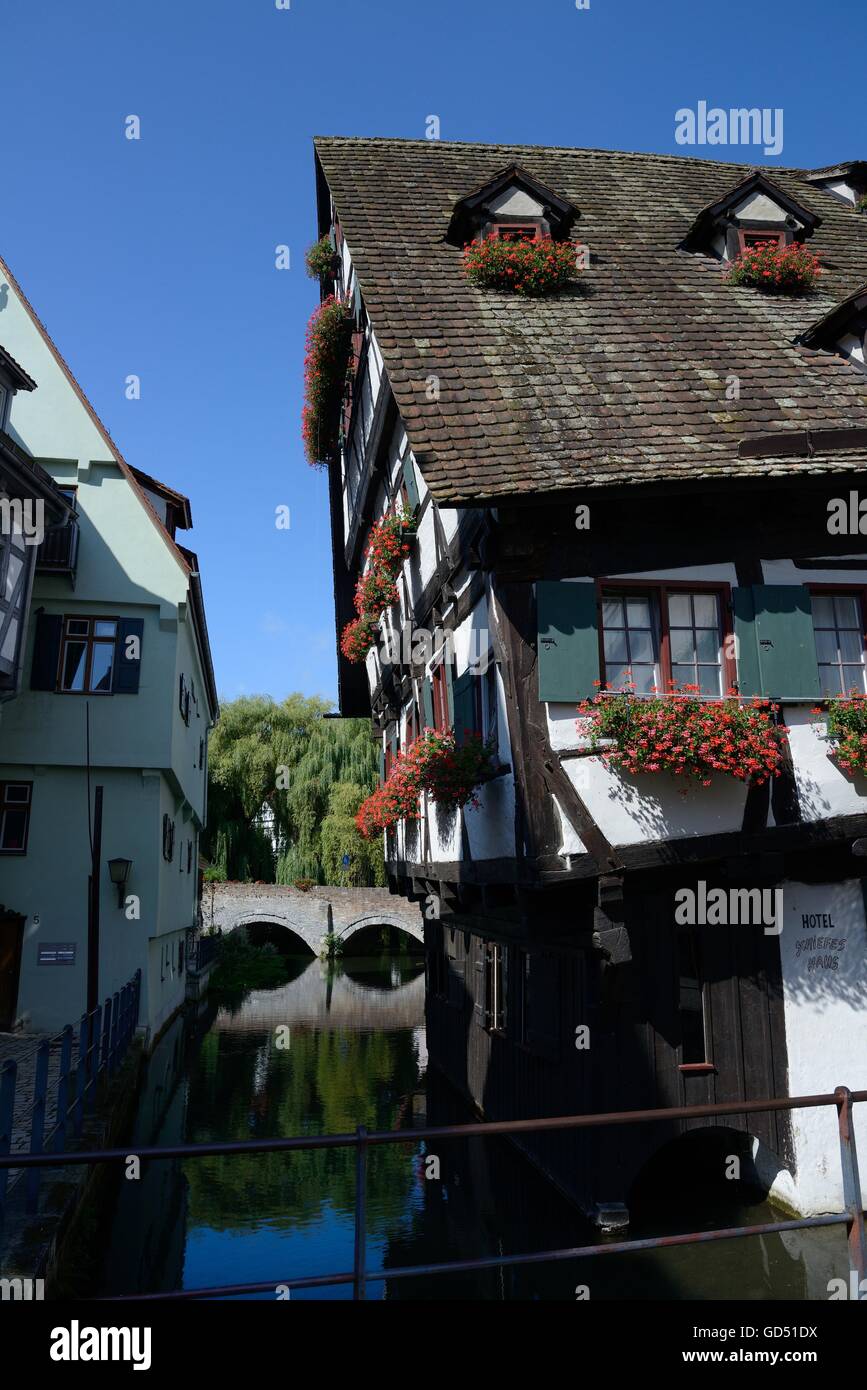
[
  {"x": 326, "y": 363},
  {"x": 358, "y": 637},
  {"x": 531, "y": 268},
  {"x": 847, "y": 731},
  {"x": 387, "y": 548},
  {"x": 435, "y": 764},
  {"x": 687, "y": 736},
  {"x": 322, "y": 261},
  {"x": 776, "y": 269}
]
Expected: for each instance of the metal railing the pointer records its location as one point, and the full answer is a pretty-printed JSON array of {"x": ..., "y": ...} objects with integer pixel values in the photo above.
[
  {"x": 58, "y": 552},
  {"x": 203, "y": 951},
  {"x": 95, "y": 1049},
  {"x": 852, "y": 1217}
]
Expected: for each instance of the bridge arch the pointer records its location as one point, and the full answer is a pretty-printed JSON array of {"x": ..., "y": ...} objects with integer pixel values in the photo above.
[
  {"x": 309, "y": 937},
  {"x": 382, "y": 919}
]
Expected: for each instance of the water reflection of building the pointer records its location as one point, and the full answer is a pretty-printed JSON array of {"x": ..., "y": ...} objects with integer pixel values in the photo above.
[{"x": 149, "y": 1220}]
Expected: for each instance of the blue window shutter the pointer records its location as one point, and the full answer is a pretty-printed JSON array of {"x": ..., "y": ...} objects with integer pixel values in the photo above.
[
  {"x": 779, "y": 658},
  {"x": 466, "y": 715},
  {"x": 46, "y": 651},
  {"x": 568, "y": 640},
  {"x": 127, "y": 669}
]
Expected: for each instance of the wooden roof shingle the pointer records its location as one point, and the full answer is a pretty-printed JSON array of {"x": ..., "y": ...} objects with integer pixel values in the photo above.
[{"x": 621, "y": 379}]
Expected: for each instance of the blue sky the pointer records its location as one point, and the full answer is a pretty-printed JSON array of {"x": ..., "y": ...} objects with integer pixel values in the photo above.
[{"x": 156, "y": 257}]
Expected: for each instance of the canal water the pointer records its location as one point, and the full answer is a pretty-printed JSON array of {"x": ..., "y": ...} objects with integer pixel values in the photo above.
[{"x": 343, "y": 1044}]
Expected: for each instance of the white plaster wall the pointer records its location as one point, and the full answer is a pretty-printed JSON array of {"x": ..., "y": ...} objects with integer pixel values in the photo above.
[
  {"x": 514, "y": 202},
  {"x": 472, "y": 638},
  {"x": 570, "y": 841},
  {"x": 853, "y": 346},
  {"x": 424, "y": 554},
  {"x": 449, "y": 517},
  {"x": 491, "y": 826},
  {"x": 654, "y": 806},
  {"x": 787, "y": 572},
  {"x": 760, "y": 208},
  {"x": 825, "y": 1013},
  {"x": 824, "y": 788},
  {"x": 840, "y": 189}
]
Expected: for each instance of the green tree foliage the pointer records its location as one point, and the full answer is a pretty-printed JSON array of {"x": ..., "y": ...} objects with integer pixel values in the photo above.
[
  {"x": 340, "y": 837},
  {"x": 307, "y": 770}
]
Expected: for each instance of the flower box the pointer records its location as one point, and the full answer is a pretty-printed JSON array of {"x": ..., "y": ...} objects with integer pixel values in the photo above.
[
  {"x": 847, "y": 731},
  {"x": 387, "y": 547},
  {"x": 776, "y": 269},
  {"x": 322, "y": 261},
  {"x": 435, "y": 763},
  {"x": 326, "y": 367},
  {"x": 531, "y": 268},
  {"x": 685, "y": 735}
]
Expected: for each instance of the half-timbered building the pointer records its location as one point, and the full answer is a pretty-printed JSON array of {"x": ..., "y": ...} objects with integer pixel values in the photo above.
[{"x": 653, "y": 471}]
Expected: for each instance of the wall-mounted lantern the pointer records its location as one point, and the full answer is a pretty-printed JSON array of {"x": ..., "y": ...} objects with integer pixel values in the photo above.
[{"x": 119, "y": 871}]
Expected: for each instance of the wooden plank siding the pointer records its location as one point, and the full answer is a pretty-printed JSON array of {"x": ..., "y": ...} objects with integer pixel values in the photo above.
[{"x": 634, "y": 1059}]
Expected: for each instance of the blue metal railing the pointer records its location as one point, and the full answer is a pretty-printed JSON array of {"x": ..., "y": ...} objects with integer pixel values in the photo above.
[{"x": 103, "y": 1037}]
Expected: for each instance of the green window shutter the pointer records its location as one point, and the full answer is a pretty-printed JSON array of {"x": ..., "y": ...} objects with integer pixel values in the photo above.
[
  {"x": 749, "y": 675},
  {"x": 466, "y": 709},
  {"x": 410, "y": 483},
  {"x": 450, "y": 694},
  {"x": 382, "y": 762},
  {"x": 568, "y": 645},
  {"x": 778, "y": 657},
  {"x": 427, "y": 702}
]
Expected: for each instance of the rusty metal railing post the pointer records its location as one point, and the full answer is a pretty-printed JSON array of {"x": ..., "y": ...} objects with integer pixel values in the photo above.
[
  {"x": 359, "y": 1290},
  {"x": 857, "y": 1240}
]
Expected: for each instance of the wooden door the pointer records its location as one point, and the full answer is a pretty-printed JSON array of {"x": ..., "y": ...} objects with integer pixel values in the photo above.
[{"x": 11, "y": 934}]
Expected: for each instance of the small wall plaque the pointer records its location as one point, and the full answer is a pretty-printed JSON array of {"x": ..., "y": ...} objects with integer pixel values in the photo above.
[{"x": 56, "y": 953}]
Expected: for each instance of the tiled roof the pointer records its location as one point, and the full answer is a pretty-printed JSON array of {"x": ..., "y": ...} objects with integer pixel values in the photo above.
[{"x": 619, "y": 380}]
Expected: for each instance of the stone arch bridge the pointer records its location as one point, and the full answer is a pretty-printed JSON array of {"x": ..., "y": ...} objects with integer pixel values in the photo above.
[{"x": 312, "y": 915}]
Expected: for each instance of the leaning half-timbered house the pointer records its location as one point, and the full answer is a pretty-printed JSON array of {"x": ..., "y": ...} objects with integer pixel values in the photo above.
[{"x": 650, "y": 476}]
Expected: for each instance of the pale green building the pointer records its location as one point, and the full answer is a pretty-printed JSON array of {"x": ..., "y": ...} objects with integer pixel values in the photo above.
[{"x": 116, "y": 661}]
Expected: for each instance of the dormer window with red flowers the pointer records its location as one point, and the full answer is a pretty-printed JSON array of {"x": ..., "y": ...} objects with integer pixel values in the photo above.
[
  {"x": 748, "y": 240},
  {"x": 512, "y": 206},
  {"x": 504, "y": 231},
  {"x": 755, "y": 212}
]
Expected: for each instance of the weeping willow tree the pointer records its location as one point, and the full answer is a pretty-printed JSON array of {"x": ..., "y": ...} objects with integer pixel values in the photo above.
[
  {"x": 347, "y": 860},
  {"x": 301, "y": 769}
]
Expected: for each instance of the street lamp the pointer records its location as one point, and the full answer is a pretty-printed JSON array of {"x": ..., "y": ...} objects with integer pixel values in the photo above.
[{"x": 119, "y": 871}]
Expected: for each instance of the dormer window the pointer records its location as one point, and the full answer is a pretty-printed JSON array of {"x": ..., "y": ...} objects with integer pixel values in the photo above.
[
  {"x": 512, "y": 206},
  {"x": 505, "y": 231},
  {"x": 747, "y": 240},
  {"x": 843, "y": 330},
  {"x": 753, "y": 212}
]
